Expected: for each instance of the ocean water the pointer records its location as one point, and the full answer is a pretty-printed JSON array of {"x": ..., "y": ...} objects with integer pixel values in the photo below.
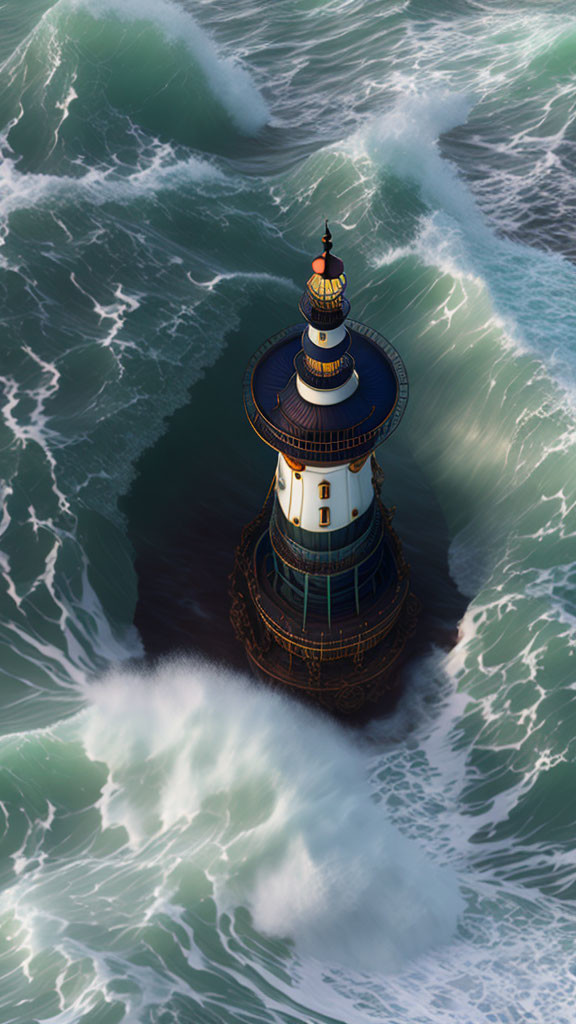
[{"x": 176, "y": 843}]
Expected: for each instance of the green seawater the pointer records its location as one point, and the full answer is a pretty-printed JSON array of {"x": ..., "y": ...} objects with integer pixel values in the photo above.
[{"x": 177, "y": 844}]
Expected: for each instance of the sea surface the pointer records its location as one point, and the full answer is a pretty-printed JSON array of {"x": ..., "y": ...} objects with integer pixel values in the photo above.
[{"x": 177, "y": 844}]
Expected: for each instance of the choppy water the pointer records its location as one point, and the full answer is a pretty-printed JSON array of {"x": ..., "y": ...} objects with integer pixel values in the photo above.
[{"x": 175, "y": 845}]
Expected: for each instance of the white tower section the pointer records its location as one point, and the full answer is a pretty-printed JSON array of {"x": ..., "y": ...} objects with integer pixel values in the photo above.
[
  {"x": 323, "y": 499},
  {"x": 327, "y": 339},
  {"x": 327, "y": 396}
]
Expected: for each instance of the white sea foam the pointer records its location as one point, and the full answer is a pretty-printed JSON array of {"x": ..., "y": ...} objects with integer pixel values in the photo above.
[
  {"x": 37, "y": 428},
  {"x": 102, "y": 185},
  {"x": 406, "y": 139},
  {"x": 300, "y": 842}
]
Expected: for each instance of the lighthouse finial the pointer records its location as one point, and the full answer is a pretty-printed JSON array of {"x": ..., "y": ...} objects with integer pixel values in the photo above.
[
  {"x": 328, "y": 266},
  {"x": 327, "y": 238}
]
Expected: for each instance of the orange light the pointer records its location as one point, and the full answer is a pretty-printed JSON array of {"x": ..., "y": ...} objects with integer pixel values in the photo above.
[{"x": 298, "y": 467}]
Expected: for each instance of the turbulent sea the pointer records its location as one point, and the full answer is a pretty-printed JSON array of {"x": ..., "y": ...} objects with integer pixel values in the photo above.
[{"x": 176, "y": 843}]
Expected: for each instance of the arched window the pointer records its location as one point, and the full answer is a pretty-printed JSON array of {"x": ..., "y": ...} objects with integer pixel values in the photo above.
[
  {"x": 324, "y": 517},
  {"x": 324, "y": 490}
]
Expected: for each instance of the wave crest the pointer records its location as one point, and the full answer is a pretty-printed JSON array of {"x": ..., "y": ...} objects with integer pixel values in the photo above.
[
  {"x": 230, "y": 82},
  {"x": 295, "y": 835}
]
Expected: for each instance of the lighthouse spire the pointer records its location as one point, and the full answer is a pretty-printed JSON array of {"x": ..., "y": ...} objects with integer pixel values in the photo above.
[{"x": 327, "y": 239}]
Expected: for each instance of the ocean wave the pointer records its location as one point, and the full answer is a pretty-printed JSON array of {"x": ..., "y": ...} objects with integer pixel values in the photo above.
[
  {"x": 531, "y": 290},
  {"x": 230, "y": 82},
  {"x": 296, "y": 819},
  {"x": 220, "y": 825}
]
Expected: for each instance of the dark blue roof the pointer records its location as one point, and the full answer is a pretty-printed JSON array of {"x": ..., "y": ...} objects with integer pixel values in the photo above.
[{"x": 326, "y": 433}]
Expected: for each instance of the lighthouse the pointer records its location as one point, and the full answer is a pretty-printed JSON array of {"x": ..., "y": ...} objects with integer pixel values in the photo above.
[{"x": 320, "y": 590}]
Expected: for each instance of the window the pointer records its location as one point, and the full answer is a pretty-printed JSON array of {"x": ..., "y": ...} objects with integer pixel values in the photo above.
[
  {"x": 324, "y": 369},
  {"x": 324, "y": 490},
  {"x": 324, "y": 517}
]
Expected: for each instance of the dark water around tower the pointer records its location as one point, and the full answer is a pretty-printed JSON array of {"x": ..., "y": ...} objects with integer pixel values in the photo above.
[{"x": 175, "y": 844}]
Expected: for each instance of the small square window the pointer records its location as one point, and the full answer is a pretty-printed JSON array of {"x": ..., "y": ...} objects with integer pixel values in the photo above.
[
  {"x": 324, "y": 517},
  {"x": 324, "y": 490}
]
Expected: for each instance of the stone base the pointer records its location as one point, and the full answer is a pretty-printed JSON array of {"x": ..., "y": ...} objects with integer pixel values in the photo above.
[{"x": 344, "y": 685}]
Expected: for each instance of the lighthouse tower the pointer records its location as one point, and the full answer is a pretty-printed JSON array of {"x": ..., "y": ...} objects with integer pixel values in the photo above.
[{"x": 320, "y": 588}]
